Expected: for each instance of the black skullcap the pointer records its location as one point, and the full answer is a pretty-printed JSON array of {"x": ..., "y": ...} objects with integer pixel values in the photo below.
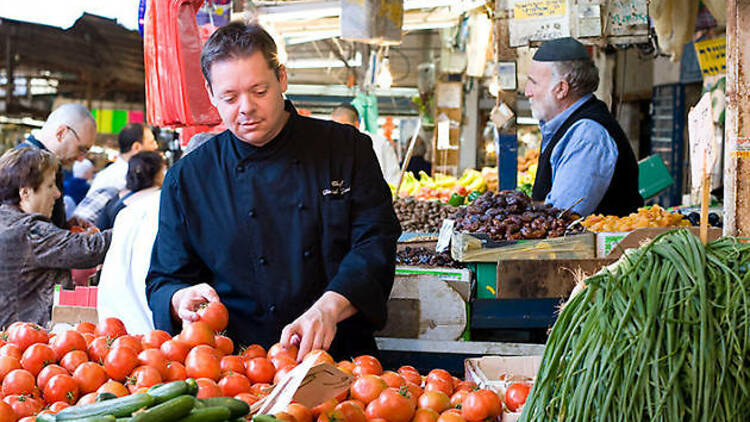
[{"x": 561, "y": 49}]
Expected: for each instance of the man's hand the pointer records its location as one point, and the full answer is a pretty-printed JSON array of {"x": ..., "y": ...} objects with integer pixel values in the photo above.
[
  {"x": 185, "y": 301},
  {"x": 316, "y": 328},
  {"x": 80, "y": 222}
]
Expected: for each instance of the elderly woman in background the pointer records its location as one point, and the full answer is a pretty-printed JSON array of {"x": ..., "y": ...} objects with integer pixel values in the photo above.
[{"x": 34, "y": 253}]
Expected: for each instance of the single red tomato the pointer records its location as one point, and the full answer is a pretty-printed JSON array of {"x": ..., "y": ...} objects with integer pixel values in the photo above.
[
  {"x": 248, "y": 398},
  {"x": 480, "y": 405},
  {"x": 90, "y": 376},
  {"x": 458, "y": 397},
  {"x": 352, "y": 411},
  {"x": 260, "y": 370},
  {"x": 56, "y": 407},
  {"x": 201, "y": 362},
  {"x": 73, "y": 360},
  {"x": 128, "y": 341},
  {"x": 18, "y": 381},
  {"x": 224, "y": 344},
  {"x": 143, "y": 377},
  {"x": 435, "y": 400},
  {"x": 367, "y": 388},
  {"x": 197, "y": 333},
  {"x": 11, "y": 350},
  {"x": 36, "y": 357},
  {"x": 253, "y": 351},
  {"x": 207, "y": 388},
  {"x": 215, "y": 314},
  {"x": 114, "y": 387},
  {"x": 89, "y": 398},
  {"x": 234, "y": 384},
  {"x": 281, "y": 373},
  {"x": 232, "y": 364},
  {"x": 174, "y": 350},
  {"x": 175, "y": 372},
  {"x": 394, "y": 405},
  {"x": 86, "y": 327},
  {"x": 277, "y": 350},
  {"x": 24, "y": 405},
  {"x": 112, "y": 328},
  {"x": 61, "y": 388},
  {"x": 26, "y": 334},
  {"x": 99, "y": 348},
  {"x": 7, "y": 413},
  {"x": 393, "y": 379},
  {"x": 439, "y": 385},
  {"x": 120, "y": 362},
  {"x": 425, "y": 415},
  {"x": 515, "y": 396},
  {"x": 367, "y": 364},
  {"x": 451, "y": 415},
  {"x": 300, "y": 412}
]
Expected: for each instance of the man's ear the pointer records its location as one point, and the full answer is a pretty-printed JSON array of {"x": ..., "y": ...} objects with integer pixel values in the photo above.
[
  {"x": 60, "y": 132},
  {"x": 25, "y": 192},
  {"x": 136, "y": 147},
  {"x": 562, "y": 90},
  {"x": 283, "y": 79}
]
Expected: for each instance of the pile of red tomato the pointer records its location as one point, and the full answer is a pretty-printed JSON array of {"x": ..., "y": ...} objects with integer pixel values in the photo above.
[{"x": 43, "y": 372}]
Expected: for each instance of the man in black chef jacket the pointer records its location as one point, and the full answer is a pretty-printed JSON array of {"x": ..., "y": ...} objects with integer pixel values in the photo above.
[{"x": 285, "y": 219}]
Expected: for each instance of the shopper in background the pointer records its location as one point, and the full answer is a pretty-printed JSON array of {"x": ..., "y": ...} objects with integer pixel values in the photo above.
[
  {"x": 585, "y": 155},
  {"x": 132, "y": 139},
  {"x": 418, "y": 163},
  {"x": 145, "y": 175},
  {"x": 78, "y": 185},
  {"x": 68, "y": 133},
  {"x": 35, "y": 254},
  {"x": 346, "y": 114},
  {"x": 285, "y": 219}
]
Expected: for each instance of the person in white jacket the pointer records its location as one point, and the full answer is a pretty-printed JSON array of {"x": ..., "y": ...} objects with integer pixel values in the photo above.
[{"x": 348, "y": 115}]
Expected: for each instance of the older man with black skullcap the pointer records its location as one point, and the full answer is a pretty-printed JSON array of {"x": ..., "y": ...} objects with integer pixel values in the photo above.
[{"x": 585, "y": 155}]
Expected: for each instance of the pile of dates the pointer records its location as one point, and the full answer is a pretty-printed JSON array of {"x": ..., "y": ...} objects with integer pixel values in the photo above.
[
  {"x": 512, "y": 215},
  {"x": 425, "y": 257},
  {"x": 421, "y": 216}
]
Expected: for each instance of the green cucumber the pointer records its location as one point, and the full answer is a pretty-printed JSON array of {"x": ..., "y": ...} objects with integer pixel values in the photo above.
[
  {"x": 237, "y": 407},
  {"x": 102, "y": 418},
  {"x": 45, "y": 417},
  {"x": 165, "y": 392},
  {"x": 208, "y": 414},
  {"x": 105, "y": 396},
  {"x": 192, "y": 386},
  {"x": 264, "y": 418},
  {"x": 120, "y": 407},
  {"x": 172, "y": 410}
]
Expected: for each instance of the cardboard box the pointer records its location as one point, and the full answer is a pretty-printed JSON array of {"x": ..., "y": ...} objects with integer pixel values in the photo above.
[
  {"x": 499, "y": 372},
  {"x": 428, "y": 303},
  {"x": 308, "y": 383},
  {"x": 543, "y": 278}
]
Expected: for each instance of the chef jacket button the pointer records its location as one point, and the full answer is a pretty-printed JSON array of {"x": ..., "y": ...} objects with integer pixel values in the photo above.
[
  {"x": 301, "y": 205},
  {"x": 307, "y": 254},
  {"x": 251, "y": 213},
  {"x": 240, "y": 169},
  {"x": 262, "y": 260},
  {"x": 272, "y": 309}
]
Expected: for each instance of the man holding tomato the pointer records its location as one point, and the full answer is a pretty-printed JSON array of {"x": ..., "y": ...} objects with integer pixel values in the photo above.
[{"x": 285, "y": 219}]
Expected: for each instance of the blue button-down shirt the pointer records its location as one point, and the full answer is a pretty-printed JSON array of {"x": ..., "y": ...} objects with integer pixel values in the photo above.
[{"x": 583, "y": 161}]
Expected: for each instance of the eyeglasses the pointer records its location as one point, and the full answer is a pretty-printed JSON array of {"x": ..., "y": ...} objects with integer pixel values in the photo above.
[{"x": 83, "y": 149}]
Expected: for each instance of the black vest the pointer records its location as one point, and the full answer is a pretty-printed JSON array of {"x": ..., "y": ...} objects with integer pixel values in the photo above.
[{"x": 622, "y": 197}]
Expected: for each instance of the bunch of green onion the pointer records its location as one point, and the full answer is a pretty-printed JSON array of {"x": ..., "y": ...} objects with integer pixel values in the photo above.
[{"x": 662, "y": 335}]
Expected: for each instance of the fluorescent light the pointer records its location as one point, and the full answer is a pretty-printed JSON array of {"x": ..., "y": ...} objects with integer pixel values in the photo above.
[{"x": 323, "y": 63}]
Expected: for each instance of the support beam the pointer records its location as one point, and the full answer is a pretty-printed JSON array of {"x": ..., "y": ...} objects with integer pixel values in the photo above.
[{"x": 737, "y": 128}]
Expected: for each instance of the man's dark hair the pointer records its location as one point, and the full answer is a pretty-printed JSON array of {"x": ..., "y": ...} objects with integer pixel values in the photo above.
[
  {"x": 348, "y": 108},
  {"x": 23, "y": 168},
  {"x": 130, "y": 134},
  {"x": 142, "y": 169},
  {"x": 238, "y": 40}
]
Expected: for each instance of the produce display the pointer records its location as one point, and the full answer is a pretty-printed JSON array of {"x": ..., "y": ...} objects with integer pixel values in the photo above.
[
  {"x": 662, "y": 335},
  {"x": 441, "y": 187},
  {"x": 421, "y": 216},
  {"x": 99, "y": 373},
  {"x": 511, "y": 215},
  {"x": 426, "y": 257},
  {"x": 654, "y": 216}
]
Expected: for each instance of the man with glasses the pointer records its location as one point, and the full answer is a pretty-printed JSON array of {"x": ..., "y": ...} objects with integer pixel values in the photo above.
[{"x": 68, "y": 133}]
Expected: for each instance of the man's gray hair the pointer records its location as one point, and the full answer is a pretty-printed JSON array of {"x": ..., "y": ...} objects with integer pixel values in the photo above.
[{"x": 582, "y": 75}]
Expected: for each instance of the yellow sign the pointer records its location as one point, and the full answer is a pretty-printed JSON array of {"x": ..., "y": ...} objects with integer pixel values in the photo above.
[
  {"x": 712, "y": 56},
  {"x": 534, "y": 9}
]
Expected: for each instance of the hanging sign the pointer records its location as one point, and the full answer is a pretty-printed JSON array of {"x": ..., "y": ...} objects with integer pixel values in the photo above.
[
  {"x": 538, "y": 20},
  {"x": 712, "y": 56}
]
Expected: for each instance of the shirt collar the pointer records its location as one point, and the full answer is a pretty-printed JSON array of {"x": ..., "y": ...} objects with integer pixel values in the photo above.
[
  {"x": 36, "y": 142},
  {"x": 275, "y": 144},
  {"x": 549, "y": 128}
]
